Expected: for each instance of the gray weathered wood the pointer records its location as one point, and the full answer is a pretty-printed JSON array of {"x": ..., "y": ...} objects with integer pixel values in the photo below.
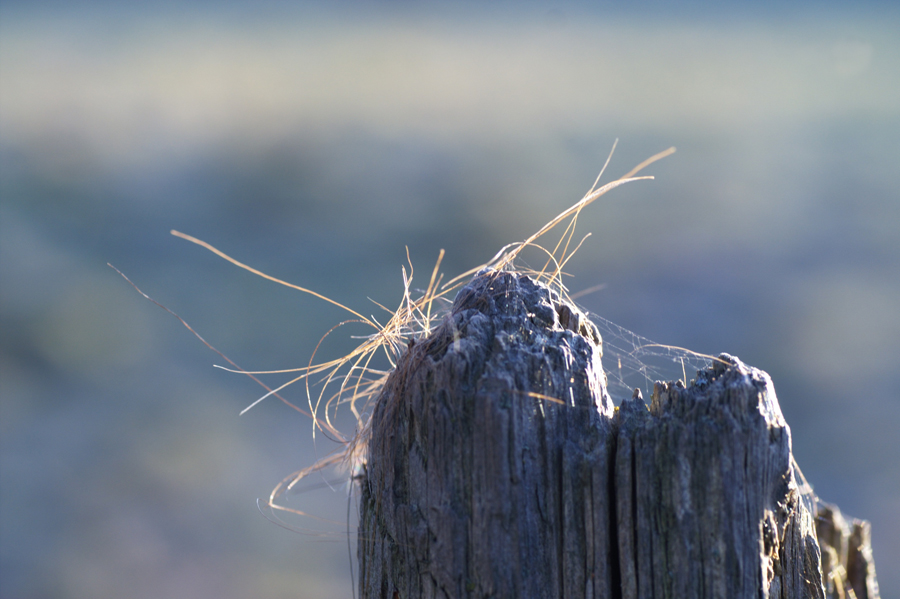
[
  {"x": 847, "y": 563},
  {"x": 706, "y": 499},
  {"x": 473, "y": 487},
  {"x": 498, "y": 467}
]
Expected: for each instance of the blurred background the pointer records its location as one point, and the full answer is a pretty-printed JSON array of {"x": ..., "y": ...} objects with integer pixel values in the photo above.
[{"x": 316, "y": 145}]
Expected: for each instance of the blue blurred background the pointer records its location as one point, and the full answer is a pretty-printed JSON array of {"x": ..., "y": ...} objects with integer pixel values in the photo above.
[{"x": 315, "y": 145}]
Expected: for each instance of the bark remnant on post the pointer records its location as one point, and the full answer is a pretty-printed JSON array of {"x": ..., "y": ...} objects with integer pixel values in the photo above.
[{"x": 498, "y": 467}]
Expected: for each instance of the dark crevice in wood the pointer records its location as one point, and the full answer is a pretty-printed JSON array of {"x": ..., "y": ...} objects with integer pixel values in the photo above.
[{"x": 612, "y": 523}]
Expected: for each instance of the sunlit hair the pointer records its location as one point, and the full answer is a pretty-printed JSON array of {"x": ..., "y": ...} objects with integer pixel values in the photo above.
[{"x": 352, "y": 381}]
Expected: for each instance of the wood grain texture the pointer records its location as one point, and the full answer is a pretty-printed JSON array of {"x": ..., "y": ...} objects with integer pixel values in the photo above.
[
  {"x": 706, "y": 497},
  {"x": 847, "y": 564},
  {"x": 498, "y": 467},
  {"x": 473, "y": 487}
]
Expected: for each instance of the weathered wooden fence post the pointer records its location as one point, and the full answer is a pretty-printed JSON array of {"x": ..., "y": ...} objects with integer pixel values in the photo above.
[{"x": 498, "y": 467}]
